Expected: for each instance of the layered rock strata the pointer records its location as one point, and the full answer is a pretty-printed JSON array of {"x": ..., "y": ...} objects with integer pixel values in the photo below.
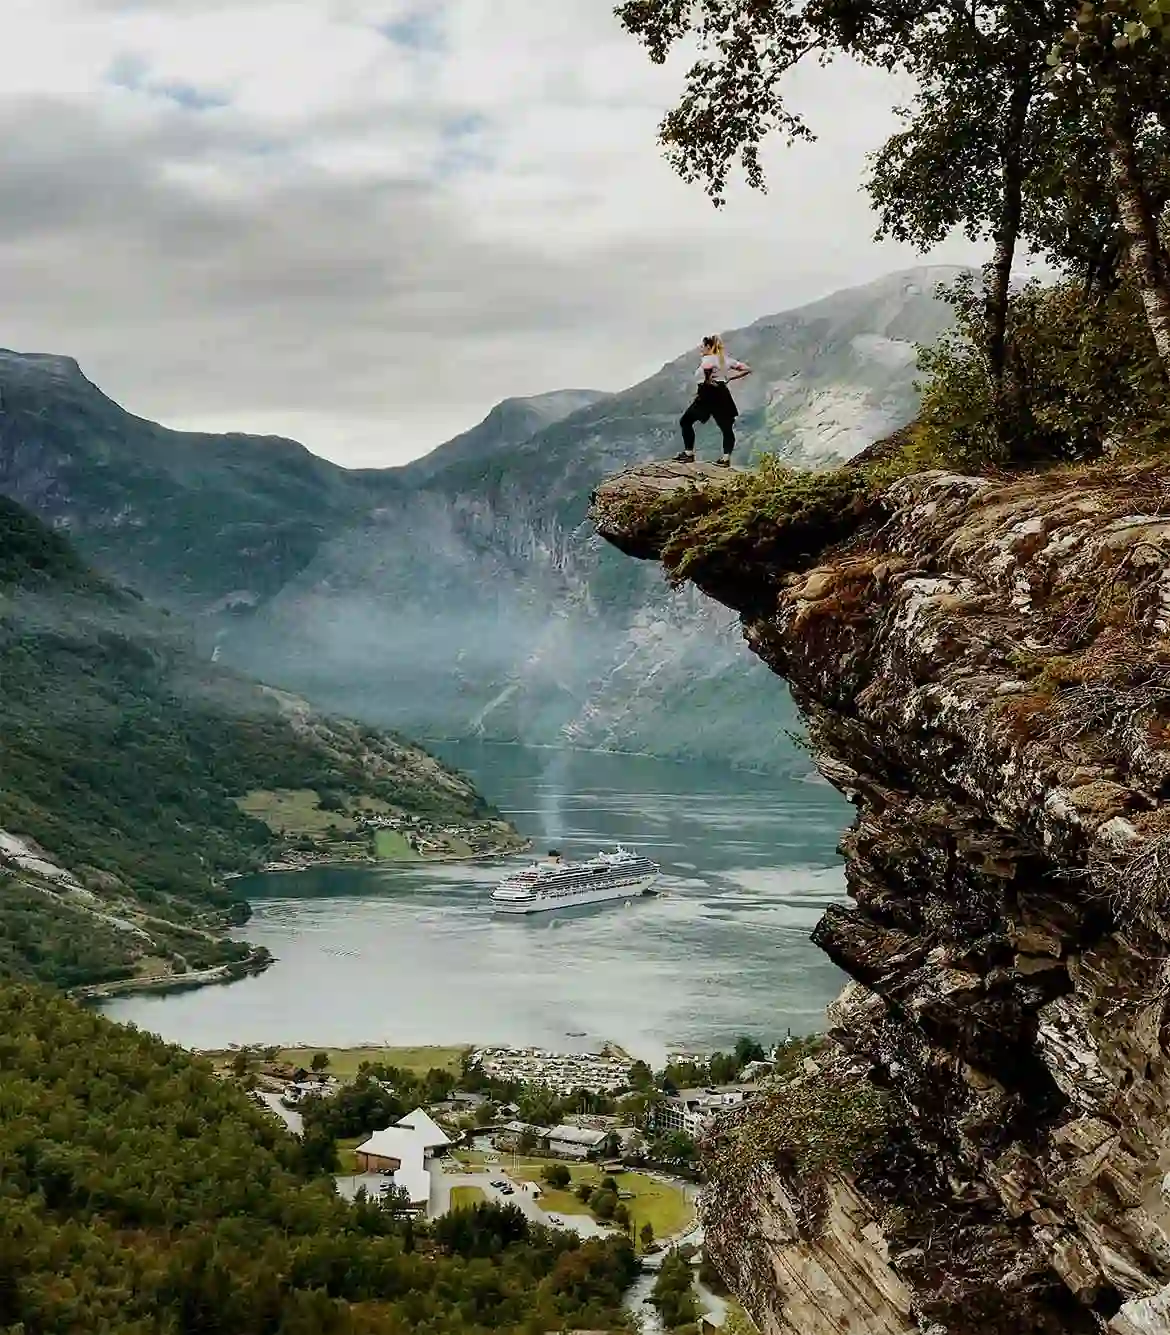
[{"x": 984, "y": 667}]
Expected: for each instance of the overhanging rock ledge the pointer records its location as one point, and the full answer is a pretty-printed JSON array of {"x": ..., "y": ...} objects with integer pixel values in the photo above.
[{"x": 984, "y": 667}]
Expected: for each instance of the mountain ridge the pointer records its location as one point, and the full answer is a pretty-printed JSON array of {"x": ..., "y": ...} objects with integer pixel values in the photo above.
[
  {"x": 507, "y": 422},
  {"x": 463, "y": 593}
]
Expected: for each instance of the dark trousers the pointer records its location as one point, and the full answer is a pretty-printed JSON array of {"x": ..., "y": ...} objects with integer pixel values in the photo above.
[{"x": 711, "y": 401}]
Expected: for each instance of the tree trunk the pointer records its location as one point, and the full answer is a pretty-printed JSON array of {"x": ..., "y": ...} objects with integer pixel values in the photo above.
[
  {"x": 1137, "y": 218},
  {"x": 999, "y": 272}
]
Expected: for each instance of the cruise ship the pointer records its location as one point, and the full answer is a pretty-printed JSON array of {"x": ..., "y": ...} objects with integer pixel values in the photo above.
[{"x": 556, "y": 884}]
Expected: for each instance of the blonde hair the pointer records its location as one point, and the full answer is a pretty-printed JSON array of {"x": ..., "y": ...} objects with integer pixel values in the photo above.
[{"x": 715, "y": 343}]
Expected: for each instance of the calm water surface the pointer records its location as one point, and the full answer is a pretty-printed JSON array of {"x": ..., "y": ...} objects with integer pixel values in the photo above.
[{"x": 406, "y": 955}]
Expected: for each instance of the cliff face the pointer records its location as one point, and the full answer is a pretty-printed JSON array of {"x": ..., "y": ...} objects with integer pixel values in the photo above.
[{"x": 985, "y": 672}]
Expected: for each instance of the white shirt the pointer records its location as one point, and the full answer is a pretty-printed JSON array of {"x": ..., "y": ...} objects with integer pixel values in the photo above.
[{"x": 710, "y": 363}]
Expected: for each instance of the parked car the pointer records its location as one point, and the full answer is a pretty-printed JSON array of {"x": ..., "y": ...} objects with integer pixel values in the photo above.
[
  {"x": 557, "y": 1220},
  {"x": 505, "y": 1190}
]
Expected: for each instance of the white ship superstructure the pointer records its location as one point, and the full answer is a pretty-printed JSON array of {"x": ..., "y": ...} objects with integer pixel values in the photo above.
[{"x": 555, "y": 884}]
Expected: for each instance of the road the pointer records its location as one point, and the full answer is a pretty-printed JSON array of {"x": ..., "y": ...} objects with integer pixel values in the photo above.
[
  {"x": 169, "y": 982},
  {"x": 293, "y": 1120},
  {"x": 442, "y": 1184}
]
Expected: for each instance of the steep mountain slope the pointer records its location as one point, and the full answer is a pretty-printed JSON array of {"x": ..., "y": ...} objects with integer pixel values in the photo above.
[
  {"x": 204, "y": 523},
  {"x": 190, "y": 520},
  {"x": 123, "y": 761},
  {"x": 464, "y": 594},
  {"x": 509, "y": 423},
  {"x": 478, "y": 600}
]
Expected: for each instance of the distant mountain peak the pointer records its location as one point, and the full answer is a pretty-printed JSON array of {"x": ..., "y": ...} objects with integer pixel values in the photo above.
[
  {"x": 921, "y": 280},
  {"x": 510, "y": 423},
  {"x": 47, "y": 364}
]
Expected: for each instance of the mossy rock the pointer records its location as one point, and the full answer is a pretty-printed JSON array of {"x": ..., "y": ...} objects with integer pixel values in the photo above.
[{"x": 807, "y": 1131}]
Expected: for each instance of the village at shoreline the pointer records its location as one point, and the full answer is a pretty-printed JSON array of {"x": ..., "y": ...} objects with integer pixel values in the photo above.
[{"x": 594, "y": 1141}]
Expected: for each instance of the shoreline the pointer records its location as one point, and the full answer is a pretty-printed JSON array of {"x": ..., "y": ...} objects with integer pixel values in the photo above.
[
  {"x": 284, "y": 868},
  {"x": 257, "y": 962},
  {"x": 259, "y": 959},
  {"x": 728, "y": 765}
]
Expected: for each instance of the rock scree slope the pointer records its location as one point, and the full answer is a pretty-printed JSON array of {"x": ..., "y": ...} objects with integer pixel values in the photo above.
[{"x": 984, "y": 666}]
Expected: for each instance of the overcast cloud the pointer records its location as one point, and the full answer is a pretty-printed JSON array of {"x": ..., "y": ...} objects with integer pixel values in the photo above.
[{"x": 361, "y": 224}]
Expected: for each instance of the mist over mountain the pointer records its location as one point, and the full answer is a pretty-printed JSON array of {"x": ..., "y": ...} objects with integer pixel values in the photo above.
[
  {"x": 464, "y": 595},
  {"x": 477, "y": 600},
  {"x": 126, "y": 765}
]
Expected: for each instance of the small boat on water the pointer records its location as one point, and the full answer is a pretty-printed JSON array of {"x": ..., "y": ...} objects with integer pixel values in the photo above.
[{"x": 556, "y": 884}]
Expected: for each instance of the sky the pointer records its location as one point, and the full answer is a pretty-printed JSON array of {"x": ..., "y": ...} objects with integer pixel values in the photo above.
[{"x": 361, "y": 224}]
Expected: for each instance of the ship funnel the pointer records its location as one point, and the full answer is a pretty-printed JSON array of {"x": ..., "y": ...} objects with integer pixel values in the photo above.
[{"x": 554, "y": 854}]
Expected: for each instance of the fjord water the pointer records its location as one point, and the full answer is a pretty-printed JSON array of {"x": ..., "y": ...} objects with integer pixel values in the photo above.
[{"x": 403, "y": 954}]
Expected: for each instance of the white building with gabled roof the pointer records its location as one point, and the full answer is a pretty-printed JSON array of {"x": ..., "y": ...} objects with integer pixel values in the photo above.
[
  {"x": 404, "y": 1150},
  {"x": 423, "y": 1125}
]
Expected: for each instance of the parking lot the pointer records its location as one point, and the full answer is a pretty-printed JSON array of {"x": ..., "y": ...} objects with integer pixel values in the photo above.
[{"x": 442, "y": 1184}]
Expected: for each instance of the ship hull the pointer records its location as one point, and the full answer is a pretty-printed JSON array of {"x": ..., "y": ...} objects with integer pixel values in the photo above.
[{"x": 600, "y": 895}]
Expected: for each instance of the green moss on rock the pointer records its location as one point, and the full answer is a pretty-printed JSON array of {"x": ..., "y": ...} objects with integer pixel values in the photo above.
[{"x": 809, "y": 1130}]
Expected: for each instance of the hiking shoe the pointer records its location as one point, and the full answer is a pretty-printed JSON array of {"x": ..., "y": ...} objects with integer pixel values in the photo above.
[
  {"x": 682, "y": 457},
  {"x": 724, "y": 462}
]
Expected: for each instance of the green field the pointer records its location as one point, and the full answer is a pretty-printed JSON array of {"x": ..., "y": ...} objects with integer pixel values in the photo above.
[
  {"x": 294, "y": 811},
  {"x": 664, "y": 1206},
  {"x": 393, "y": 846},
  {"x": 464, "y": 1198},
  {"x": 346, "y": 1163},
  {"x": 344, "y": 1062}
]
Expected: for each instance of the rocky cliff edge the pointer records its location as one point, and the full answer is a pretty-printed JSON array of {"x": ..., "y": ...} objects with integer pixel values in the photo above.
[{"x": 984, "y": 667}]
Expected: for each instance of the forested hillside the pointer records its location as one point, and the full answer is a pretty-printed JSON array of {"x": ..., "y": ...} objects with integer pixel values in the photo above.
[
  {"x": 140, "y": 1194},
  {"x": 187, "y": 518},
  {"x": 122, "y": 757}
]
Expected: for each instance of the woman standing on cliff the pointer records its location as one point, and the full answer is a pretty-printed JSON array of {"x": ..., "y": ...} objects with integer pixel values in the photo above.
[{"x": 713, "y": 399}]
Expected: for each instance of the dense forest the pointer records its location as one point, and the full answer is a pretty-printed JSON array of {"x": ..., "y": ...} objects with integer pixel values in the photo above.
[
  {"x": 122, "y": 754},
  {"x": 140, "y": 1193}
]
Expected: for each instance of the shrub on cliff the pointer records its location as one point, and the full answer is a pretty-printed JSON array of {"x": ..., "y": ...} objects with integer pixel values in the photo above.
[
  {"x": 1083, "y": 378},
  {"x": 772, "y": 516},
  {"x": 810, "y": 1130}
]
